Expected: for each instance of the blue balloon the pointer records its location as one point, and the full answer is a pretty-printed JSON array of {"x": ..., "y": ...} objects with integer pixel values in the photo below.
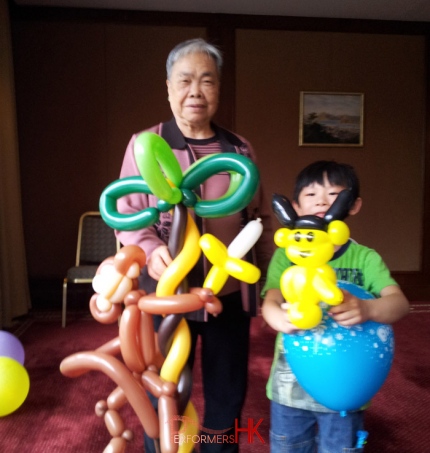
[{"x": 342, "y": 367}]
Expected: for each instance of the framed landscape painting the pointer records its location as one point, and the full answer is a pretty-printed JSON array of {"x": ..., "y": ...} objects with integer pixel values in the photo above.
[{"x": 331, "y": 119}]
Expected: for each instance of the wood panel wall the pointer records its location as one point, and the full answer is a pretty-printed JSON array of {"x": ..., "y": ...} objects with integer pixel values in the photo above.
[{"x": 87, "y": 79}]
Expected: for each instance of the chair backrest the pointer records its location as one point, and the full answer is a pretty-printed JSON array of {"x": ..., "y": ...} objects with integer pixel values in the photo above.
[{"x": 96, "y": 240}]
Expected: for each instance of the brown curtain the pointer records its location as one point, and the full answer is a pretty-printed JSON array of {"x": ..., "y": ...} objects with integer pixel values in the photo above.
[{"x": 14, "y": 291}]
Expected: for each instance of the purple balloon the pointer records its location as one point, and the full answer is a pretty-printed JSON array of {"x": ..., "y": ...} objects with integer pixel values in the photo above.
[{"x": 11, "y": 347}]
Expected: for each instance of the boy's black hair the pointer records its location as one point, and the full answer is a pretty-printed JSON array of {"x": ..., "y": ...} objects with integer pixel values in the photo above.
[{"x": 337, "y": 174}]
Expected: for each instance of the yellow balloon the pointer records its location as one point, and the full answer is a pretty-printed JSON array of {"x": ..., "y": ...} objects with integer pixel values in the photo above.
[
  {"x": 183, "y": 263},
  {"x": 305, "y": 317},
  {"x": 215, "y": 251},
  {"x": 215, "y": 279},
  {"x": 14, "y": 385},
  {"x": 305, "y": 288},
  {"x": 310, "y": 280},
  {"x": 190, "y": 429},
  {"x": 281, "y": 237},
  {"x": 325, "y": 285},
  {"x": 338, "y": 232},
  {"x": 224, "y": 265},
  {"x": 295, "y": 285},
  {"x": 242, "y": 270},
  {"x": 178, "y": 353}
]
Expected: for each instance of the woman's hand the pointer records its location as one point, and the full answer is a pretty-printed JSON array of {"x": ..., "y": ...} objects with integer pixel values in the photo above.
[{"x": 158, "y": 261}]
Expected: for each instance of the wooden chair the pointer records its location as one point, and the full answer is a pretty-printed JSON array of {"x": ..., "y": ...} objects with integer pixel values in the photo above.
[{"x": 96, "y": 242}]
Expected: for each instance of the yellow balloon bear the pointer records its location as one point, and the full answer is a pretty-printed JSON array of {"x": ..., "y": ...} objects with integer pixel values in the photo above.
[{"x": 309, "y": 243}]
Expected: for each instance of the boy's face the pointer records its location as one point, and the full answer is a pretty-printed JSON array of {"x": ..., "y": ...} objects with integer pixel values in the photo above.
[{"x": 316, "y": 199}]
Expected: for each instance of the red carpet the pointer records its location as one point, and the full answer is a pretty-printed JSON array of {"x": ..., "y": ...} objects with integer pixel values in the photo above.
[
  {"x": 398, "y": 417},
  {"x": 58, "y": 414}
]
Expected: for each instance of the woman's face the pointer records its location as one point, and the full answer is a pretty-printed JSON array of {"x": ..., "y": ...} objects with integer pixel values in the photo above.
[{"x": 194, "y": 91}]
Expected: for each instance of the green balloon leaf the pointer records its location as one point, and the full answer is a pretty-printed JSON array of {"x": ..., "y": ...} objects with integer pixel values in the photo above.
[
  {"x": 158, "y": 165},
  {"x": 126, "y": 222},
  {"x": 242, "y": 188}
]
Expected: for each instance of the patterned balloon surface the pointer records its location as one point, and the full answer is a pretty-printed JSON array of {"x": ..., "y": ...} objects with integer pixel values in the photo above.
[{"x": 342, "y": 367}]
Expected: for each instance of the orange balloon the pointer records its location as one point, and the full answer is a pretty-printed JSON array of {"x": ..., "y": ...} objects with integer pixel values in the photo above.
[{"x": 81, "y": 362}]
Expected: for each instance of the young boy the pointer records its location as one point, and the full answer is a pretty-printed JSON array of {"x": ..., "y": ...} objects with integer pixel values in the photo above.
[{"x": 298, "y": 422}]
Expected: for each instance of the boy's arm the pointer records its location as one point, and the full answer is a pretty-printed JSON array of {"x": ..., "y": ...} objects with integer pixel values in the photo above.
[
  {"x": 274, "y": 314},
  {"x": 389, "y": 308}
]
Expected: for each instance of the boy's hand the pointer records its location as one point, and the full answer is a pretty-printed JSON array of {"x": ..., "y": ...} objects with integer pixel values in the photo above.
[
  {"x": 285, "y": 323},
  {"x": 351, "y": 311},
  {"x": 274, "y": 311}
]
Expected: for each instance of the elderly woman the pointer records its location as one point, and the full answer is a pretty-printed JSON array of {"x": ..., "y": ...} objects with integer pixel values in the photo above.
[{"x": 193, "y": 85}]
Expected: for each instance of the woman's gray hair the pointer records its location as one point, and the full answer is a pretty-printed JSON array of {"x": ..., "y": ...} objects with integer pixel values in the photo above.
[{"x": 190, "y": 47}]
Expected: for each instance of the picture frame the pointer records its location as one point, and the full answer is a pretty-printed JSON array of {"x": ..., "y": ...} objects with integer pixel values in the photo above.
[{"x": 331, "y": 119}]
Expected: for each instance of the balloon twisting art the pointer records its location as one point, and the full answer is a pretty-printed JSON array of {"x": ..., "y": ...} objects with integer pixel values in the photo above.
[
  {"x": 309, "y": 242},
  {"x": 157, "y": 363},
  {"x": 340, "y": 367}
]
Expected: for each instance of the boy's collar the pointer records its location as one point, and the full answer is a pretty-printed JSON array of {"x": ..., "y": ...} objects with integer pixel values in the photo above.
[{"x": 341, "y": 250}]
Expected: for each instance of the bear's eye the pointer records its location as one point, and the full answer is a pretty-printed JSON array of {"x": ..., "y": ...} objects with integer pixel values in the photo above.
[{"x": 310, "y": 236}]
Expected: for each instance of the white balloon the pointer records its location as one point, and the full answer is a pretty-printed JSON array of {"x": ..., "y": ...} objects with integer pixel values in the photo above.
[
  {"x": 99, "y": 283},
  {"x": 246, "y": 239},
  {"x": 107, "y": 281},
  {"x": 103, "y": 304}
]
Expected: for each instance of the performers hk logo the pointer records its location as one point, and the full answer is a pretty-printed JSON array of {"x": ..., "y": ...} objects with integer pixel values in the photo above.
[{"x": 211, "y": 436}]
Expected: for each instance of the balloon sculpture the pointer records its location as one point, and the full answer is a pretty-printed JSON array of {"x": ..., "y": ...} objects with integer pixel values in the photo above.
[
  {"x": 309, "y": 243},
  {"x": 158, "y": 363},
  {"x": 14, "y": 379},
  {"x": 340, "y": 367}
]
